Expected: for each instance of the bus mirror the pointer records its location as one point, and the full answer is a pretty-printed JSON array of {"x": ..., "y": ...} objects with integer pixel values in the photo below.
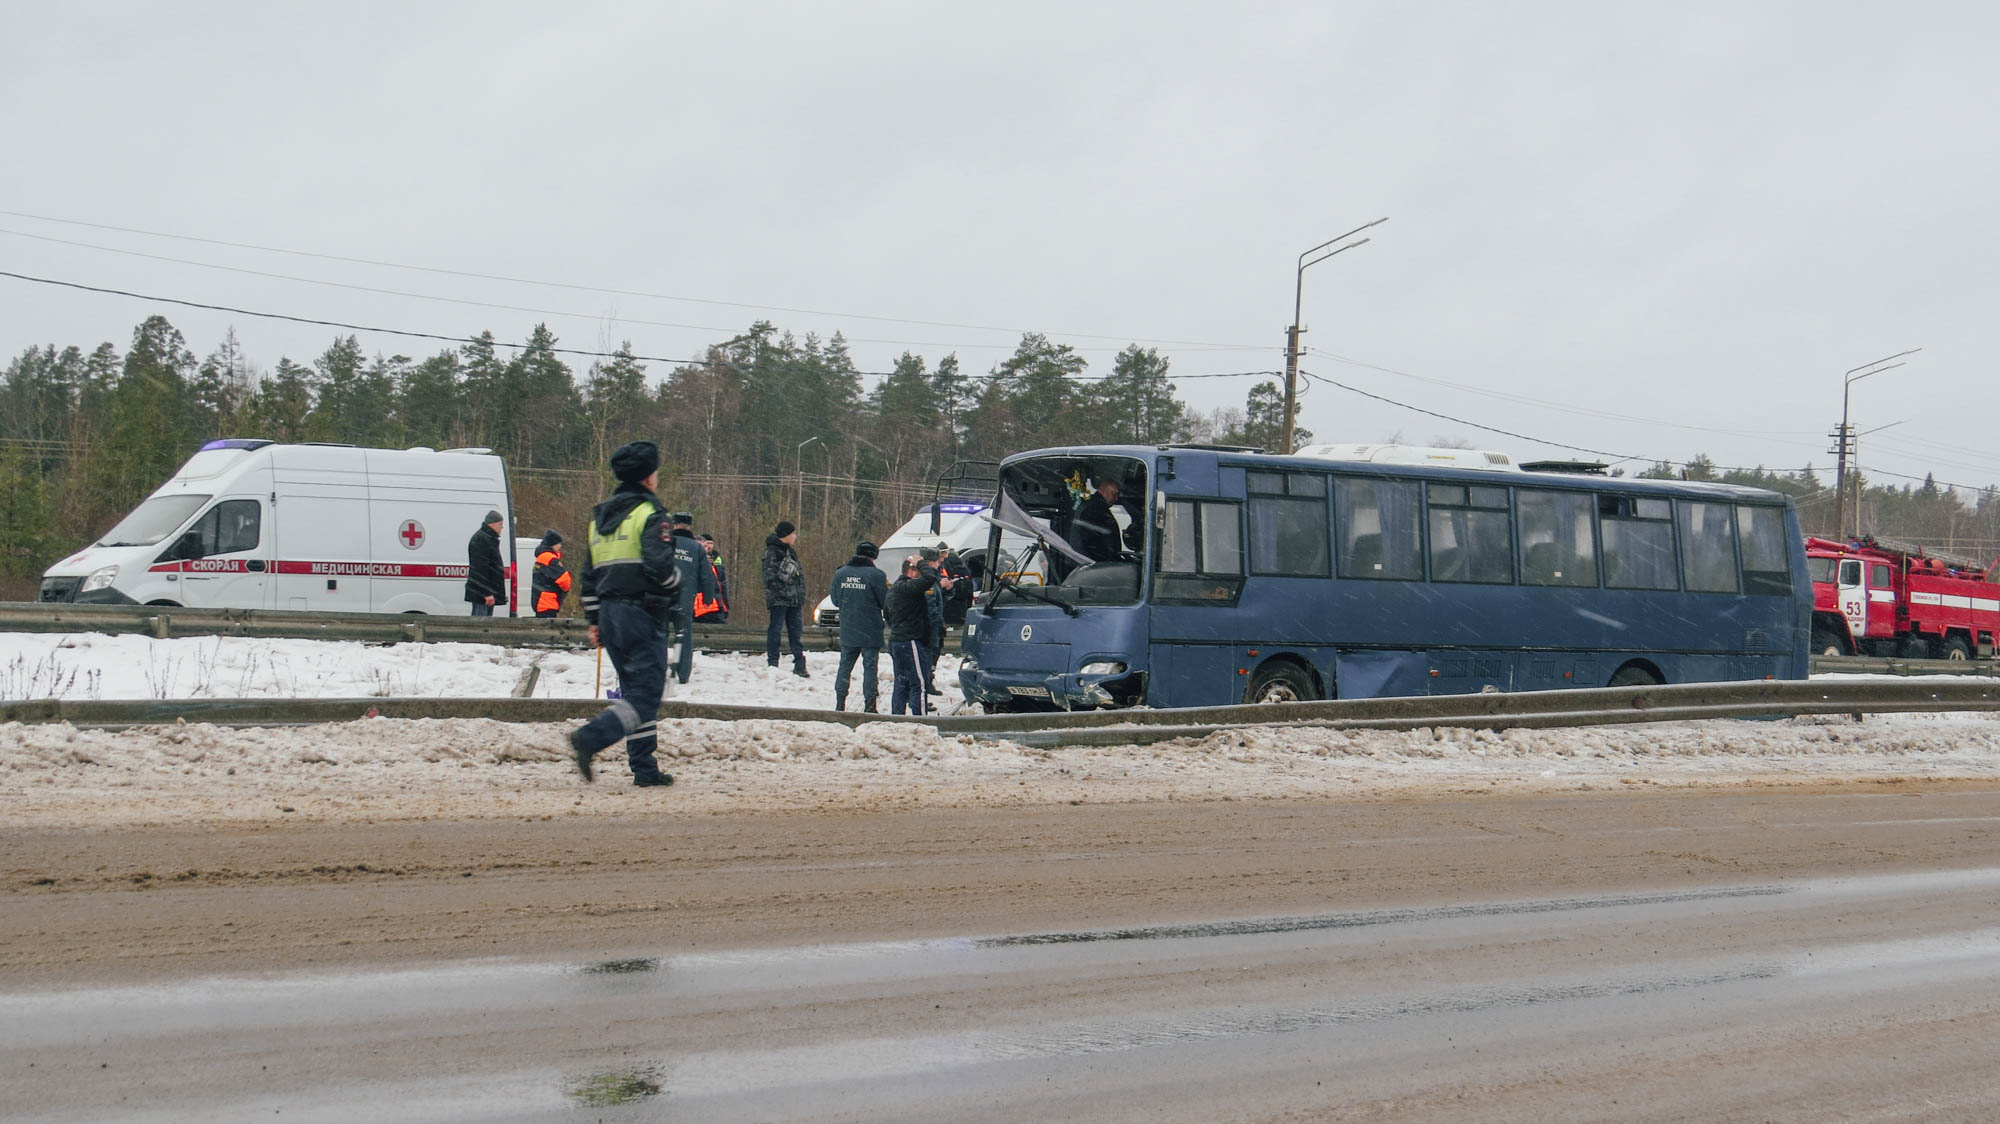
[{"x": 937, "y": 519}]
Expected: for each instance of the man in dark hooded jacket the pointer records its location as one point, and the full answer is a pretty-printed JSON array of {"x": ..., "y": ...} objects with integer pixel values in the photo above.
[
  {"x": 485, "y": 575},
  {"x": 697, "y": 576},
  {"x": 785, "y": 595},
  {"x": 909, "y": 620},
  {"x": 552, "y": 578},
  {"x": 861, "y": 593},
  {"x": 629, "y": 592}
]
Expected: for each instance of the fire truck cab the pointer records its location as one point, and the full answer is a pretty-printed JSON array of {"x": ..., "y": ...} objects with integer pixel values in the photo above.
[{"x": 1893, "y": 599}]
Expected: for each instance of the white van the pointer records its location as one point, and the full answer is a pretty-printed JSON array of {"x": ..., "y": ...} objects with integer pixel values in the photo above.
[
  {"x": 961, "y": 526},
  {"x": 250, "y": 524}
]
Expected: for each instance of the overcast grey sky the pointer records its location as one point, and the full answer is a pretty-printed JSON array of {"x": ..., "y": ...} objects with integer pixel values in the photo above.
[{"x": 1652, "y": 230}]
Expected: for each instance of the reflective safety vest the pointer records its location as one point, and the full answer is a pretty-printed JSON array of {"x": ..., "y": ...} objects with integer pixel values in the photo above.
[{"x": 621, "y": 546}]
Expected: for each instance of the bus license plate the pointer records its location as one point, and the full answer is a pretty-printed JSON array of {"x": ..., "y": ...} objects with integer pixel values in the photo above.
[{"x": 1030, "y": 692}]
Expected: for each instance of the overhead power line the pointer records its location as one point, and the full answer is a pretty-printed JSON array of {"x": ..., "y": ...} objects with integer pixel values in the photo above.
[
  {"x": 445, "y": 338},
  {"x": 471, "y": 274}
]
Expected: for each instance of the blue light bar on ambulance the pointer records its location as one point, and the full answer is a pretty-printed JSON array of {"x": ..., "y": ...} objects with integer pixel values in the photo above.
[
  {"x": 960, "y": 508},
  {"x": 236, "y": 443}
]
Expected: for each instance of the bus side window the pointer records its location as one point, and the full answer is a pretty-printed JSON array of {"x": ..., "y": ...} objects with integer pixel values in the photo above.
[
  {"x": 1472, "y": 534},
  {"x": 1708, "y": 547},
  {"x": 1762, "y": 532},
  {"x": 1380, "y": 529},
  {"x": 1557, "y": 545},
  {"x": 1638, "y": 539}
]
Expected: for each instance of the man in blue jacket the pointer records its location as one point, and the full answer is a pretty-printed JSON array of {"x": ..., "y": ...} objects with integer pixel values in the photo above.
[
  {"x": 861, "y": 593},
  {"x": 697, "y": 576}
]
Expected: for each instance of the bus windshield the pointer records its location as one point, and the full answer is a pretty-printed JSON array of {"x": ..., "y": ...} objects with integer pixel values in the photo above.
[{"x": 1085, "y": 521}]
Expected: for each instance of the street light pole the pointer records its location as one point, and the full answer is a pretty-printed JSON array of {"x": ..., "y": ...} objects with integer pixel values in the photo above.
[
  {"x": 1844, "y": 436},
  {"x": 1292, "y": 333},
  {"x": 799, "y": 468}
]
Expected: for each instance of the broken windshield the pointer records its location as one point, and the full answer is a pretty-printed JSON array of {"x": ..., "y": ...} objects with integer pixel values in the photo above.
[{"x": 1073, "y": 530}]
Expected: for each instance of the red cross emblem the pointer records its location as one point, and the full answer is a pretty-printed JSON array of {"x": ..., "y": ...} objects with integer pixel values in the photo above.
[{"x": 412, "y": 534}]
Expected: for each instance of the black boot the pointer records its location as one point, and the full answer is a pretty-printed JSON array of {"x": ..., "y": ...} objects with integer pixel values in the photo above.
[
  {"x": 868, "y": 707},
  {"x": 840, "y": 702}
]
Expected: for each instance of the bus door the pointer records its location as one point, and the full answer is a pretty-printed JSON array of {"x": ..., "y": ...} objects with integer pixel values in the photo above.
[
  {"x": 1196, "y": 622},
  {"x": 223, "y": 559},
  {"x": 1853, "y": 598}
]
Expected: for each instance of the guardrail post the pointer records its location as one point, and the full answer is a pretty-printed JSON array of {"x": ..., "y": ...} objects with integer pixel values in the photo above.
[{"x": 159, "y": 626}]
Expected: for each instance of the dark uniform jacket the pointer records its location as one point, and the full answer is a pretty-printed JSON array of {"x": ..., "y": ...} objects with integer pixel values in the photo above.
[
  {"x": 485, "y": 576},
  {"x": 1094, "y": 531},
  {"x": 655, "y": 579},
  {"x": 909, "y": 615},
  {"x": 696, "y": 575},
  {"x": 784, "y": 575},
  {"x": 959, "y": 597},
  {"x": 861, "y": 593}
]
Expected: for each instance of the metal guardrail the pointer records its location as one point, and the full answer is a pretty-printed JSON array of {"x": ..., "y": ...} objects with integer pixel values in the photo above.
[
  {"x": 1499, "y": 711},
  {"x": 1877, "y": 665},
  {"x": 162, "y": 622}
]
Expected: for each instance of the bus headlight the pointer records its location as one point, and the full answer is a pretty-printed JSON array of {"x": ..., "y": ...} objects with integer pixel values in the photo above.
[
  {"x": 1104, "y": 667},
  {"x": 99, "y": 579}
]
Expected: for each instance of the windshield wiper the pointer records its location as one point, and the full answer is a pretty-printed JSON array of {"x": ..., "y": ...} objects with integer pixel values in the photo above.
[{"x": 1002, "y": 582}]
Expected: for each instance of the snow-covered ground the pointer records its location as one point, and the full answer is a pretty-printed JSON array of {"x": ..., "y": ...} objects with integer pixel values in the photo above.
[
  {"x": 383, "y": 768},
  {"x": 95, "y": 666}
]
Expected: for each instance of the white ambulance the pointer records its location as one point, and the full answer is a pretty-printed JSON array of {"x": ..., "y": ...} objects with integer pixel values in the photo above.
[{"x": 249, "y": 524}]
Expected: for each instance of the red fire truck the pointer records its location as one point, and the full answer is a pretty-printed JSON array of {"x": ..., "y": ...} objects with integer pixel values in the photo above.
[{"x": 1885, "y": 598}]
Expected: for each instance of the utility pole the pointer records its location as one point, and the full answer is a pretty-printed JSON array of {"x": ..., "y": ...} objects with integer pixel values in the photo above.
[
  {"x": 1843, "y": 448},
  {"x": 1293, "y": 333}
]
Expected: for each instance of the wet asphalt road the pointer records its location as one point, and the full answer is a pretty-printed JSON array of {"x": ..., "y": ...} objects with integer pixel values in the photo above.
[{"x": 1866, "y": 996}]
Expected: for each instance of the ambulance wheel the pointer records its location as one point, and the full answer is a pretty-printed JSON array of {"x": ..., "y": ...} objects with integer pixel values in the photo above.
[
  {"x": 1281, "y": 681},
  {"x": 1825, "y": 643},
  {"x": 1955, "y": 648}
]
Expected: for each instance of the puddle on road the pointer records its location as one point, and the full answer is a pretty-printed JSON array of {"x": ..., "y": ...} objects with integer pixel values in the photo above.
[
  {"x": 627, "y": 967},
  {"x": 613, "y": 1087},
  {"x": 1252, "y": 926}
]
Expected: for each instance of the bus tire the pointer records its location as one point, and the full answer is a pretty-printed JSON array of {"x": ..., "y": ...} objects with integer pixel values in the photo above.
[
  {"x": 1826, "y": 643},
  {"x": 1633, "y": 675},
  {"x": 1281, "y": 681},
  {"x": 1955, "y": 648}
]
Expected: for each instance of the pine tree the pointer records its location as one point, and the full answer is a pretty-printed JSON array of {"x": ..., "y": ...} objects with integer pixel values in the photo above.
[
  {"x": 430, "y": 404},
  {"x": 1135, "y": 404}
]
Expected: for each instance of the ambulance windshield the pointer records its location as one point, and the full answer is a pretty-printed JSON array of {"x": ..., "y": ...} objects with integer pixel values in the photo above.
[{"x": 152, "y": 521}]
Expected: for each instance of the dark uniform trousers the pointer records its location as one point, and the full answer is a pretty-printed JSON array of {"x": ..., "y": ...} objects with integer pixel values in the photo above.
[
  {"x": 869, "y": 658},
  {"x": 907, "y": 658},
  {"x": 638, "y": 649},
  {"x": 681, "y": 629}
]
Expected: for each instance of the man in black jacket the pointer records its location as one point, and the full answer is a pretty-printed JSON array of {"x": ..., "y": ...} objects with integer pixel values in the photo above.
[
  {"x": 629, "y": 592},
  {"x": 909, "y": 621},
  {"x": 1094, "y": 531},
  {"x": 697, "y": 576},
  {"x": 861, "y": 593},
  {"x": 785, "y": 595},
  {"x": 485, "y": 576}
]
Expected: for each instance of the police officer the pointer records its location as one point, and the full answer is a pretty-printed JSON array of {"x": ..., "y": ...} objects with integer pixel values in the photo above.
[
  {"x": 697, "y": 577},
  {"x": 629, "y": 584},
  {"x": 861, "y": 593}
]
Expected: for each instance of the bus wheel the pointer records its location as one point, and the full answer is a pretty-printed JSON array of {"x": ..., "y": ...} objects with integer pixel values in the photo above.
[
  {"x": 1632, "y": 675},
  {"x": 1825, "y": 643},
  {"x": 1280, "y": 681},
  {"x": 1956, "y": 648}
]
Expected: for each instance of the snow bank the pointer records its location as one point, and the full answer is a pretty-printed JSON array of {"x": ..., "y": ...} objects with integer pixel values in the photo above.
[
  {"x": 94, "y": 666},
  {"x": 384, "y": 768}
]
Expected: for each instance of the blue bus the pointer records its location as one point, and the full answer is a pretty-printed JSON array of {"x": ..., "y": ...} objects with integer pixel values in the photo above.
[{"x": 1359, "y": 571}]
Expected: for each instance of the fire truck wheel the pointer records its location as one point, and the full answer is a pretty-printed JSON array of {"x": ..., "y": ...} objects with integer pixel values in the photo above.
[
  {"x": 1825, "y": 643},
  {"x": 1955, "y": 648}
]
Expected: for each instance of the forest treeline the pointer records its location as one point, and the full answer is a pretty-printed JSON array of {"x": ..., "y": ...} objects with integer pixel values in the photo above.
[{"x": 763, "y": 427}]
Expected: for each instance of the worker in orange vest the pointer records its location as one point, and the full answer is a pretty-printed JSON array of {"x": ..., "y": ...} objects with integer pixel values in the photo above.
[{"x": 552, "y": 578}]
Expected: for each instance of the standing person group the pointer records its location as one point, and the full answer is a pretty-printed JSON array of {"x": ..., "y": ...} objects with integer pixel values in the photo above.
[
  {"x": 485, "y": 574},
  {"x": 631, "y": 586},
  {"x": 785, "y": 595},
  {"x": 909, "y": 627},
  {"x": 861, "y": 593}
]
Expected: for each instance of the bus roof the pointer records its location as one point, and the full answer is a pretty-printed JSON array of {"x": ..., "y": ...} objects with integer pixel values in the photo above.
[{"x": 1493, "y": 474}]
